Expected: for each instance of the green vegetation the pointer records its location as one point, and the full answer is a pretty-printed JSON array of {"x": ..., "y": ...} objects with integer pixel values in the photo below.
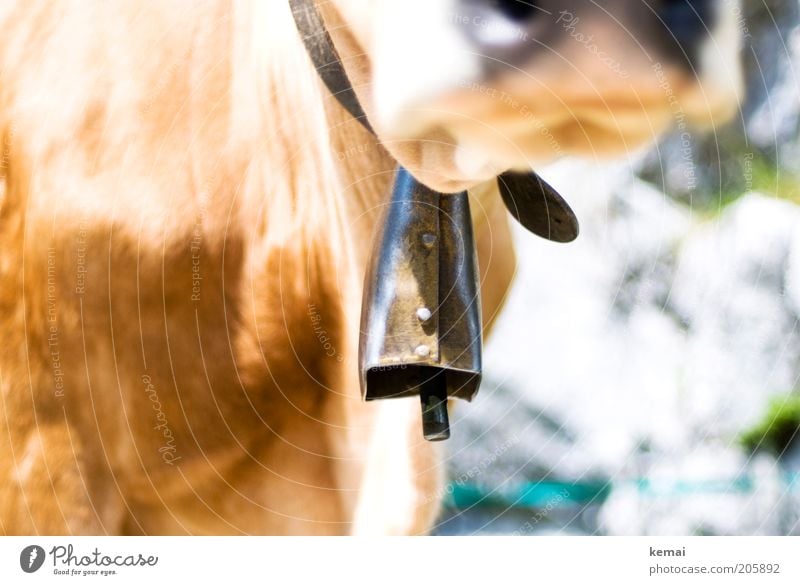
[
  {"x": 778, "y": 429},
  {"x": 767, "y": 178},
  {"x": 743, "y": 174},
  {"x": 727, "y": 172}
]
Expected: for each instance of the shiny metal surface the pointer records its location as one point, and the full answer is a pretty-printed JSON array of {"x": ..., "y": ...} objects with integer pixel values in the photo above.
[
  {"x": 538, "y": 207},
  {"x": 421, "y": 307},
  {"x": 421, "y": 330}
]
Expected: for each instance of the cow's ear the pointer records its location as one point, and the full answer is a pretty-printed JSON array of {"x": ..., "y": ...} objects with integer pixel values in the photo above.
[{"x": 538, "y": 206}]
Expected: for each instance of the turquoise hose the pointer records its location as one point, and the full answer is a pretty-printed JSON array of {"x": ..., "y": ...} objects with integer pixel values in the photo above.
[{"x": 561, "y": 494}]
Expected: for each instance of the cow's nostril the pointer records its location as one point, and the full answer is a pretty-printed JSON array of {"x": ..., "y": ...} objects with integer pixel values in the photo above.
[{"x": 517, "y": 10}]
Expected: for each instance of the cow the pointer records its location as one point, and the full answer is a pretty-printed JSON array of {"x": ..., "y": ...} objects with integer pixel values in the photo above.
[{"x": 186, "y": 216}]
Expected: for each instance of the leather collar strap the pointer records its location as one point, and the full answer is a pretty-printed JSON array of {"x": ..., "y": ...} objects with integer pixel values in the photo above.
[
  {"x": 529, "y": 199},
  {"x": 326, "y": 58}
]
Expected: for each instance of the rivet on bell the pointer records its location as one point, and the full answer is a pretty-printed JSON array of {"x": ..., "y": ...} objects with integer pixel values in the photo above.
[
  {"x": 423, "y": 314},
  {"x": 423, "y": 351},
  {"x": 429, "y": 240}
]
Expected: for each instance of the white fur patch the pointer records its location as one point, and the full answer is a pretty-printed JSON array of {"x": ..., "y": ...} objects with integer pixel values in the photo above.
[
  {"x": 419, "y": 55},
  {"x": 33, "y": 452},
  {"x": 473, "y": 162},
  {"x": 388, "y": 493},
  {"x": 720, "y": 68}
]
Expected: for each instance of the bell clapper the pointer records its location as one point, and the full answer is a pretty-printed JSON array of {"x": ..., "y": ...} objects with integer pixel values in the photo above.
[{"x": 433, "y": 396}]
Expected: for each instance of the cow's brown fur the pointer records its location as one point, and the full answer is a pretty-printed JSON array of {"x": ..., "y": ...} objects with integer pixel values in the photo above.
[{"x": 136, "y": 133}]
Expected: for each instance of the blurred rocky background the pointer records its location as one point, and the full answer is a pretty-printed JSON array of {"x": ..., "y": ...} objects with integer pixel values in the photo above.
[{"x": 643, "y": 380}]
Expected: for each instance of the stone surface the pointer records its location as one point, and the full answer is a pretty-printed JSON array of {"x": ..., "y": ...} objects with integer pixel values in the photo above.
[
  {"x": 640, "y": 353},
  {"x": 715, "y": 165}
]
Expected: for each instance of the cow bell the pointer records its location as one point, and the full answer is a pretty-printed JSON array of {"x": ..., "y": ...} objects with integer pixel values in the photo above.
[{"x": 421, "y": 314}]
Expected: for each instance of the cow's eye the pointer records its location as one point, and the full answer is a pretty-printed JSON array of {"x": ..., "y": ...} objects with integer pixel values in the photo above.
[{"x": 517, "y": 10}]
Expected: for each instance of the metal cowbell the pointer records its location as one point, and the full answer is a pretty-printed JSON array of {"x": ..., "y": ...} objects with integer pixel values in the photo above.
[{"x": 421, "y": 316}]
